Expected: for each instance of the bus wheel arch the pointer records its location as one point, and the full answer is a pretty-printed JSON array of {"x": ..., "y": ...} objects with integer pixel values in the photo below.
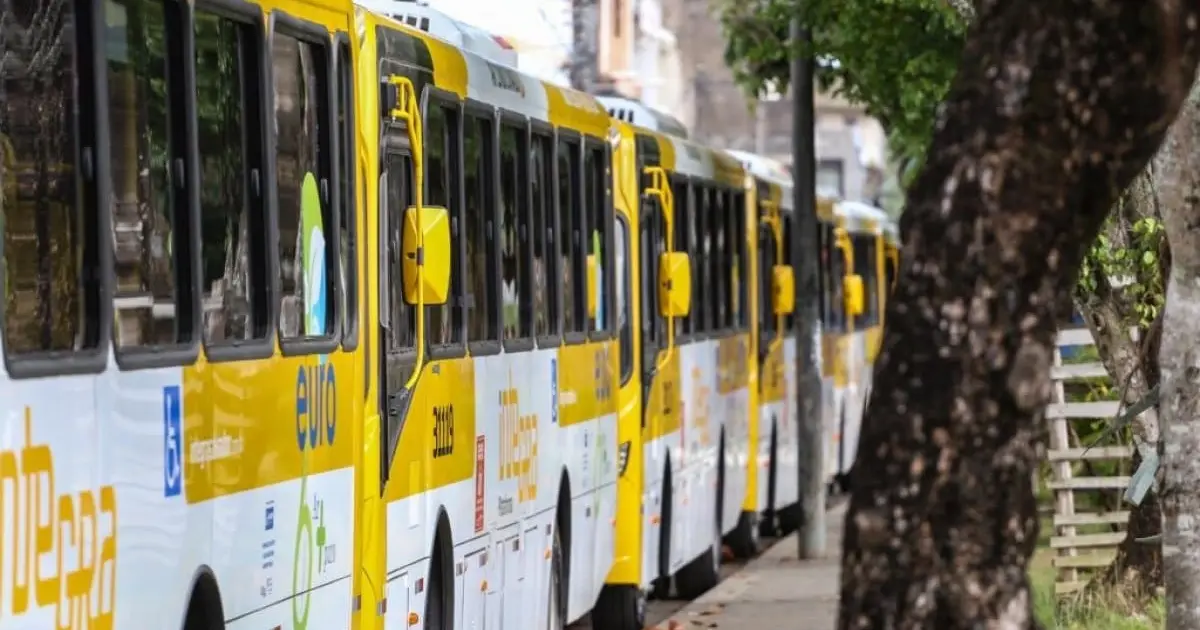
[
  {"x": 205, "y": 610},
  {"x": 439, "y": 597}
]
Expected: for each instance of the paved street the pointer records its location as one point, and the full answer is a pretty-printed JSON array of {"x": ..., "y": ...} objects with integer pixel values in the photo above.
[{"x": 775, "y": 590}]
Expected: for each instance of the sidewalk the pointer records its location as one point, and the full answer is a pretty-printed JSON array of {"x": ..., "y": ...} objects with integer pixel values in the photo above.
[{"x": 775, "y": 590}]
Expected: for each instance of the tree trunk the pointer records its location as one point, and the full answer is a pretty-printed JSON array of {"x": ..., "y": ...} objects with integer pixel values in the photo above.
[
  {"x": 1179, "y": 359},
  {"x": 1037, "y": 139},
  {"x": 1110, "y": 311}
]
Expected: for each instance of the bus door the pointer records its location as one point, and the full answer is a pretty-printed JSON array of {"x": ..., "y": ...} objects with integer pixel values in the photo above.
[{"x": 397, "y": 326}]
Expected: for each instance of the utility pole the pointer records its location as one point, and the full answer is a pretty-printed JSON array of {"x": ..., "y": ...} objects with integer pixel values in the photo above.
[
  {"x": 805, "y": 263},
  {"x": 583, "y": 66}
]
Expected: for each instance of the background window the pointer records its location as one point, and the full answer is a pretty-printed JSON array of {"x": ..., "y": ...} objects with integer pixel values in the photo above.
[{"x": 303, "y": 157}]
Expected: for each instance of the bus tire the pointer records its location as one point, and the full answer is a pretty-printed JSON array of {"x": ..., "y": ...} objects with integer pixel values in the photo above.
[
  {"x": 556, "y": 610},
  {"x": 620, "y": 607},
  {"x": 660, "y": 587},
  {"x": 789, "y": 519},
  {"x": 768, "y": 524},
  {"x": 744, "y": 541},
  {"x": 562, "y": 534},
  {"x": 439, "y": 598},
  {"x": 704, "y": 571},
  {"x": 205, "y": 611}
]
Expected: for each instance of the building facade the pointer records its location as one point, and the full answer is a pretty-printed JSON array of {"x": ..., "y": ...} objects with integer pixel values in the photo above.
[{"x": 851, "y": 147}]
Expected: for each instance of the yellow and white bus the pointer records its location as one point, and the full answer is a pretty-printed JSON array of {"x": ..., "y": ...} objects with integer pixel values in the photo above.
[
  {"x": 256, "y": 374},
  {"x": 858, "y": 247},
  {"x": 351, "y": 327},
  {"x": 685, "y": 376}
]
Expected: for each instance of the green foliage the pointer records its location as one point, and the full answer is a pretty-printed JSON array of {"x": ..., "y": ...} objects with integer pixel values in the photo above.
[
  {"x": 1137, "y": 262},
  {"x": 894, "y": 57}
]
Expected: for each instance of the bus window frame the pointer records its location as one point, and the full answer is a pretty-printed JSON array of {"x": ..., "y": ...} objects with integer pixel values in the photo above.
[
  {"x": 435, "y": 96},
  {"x": 546, "y": 132},
  {"x": 279, "y": 21}
]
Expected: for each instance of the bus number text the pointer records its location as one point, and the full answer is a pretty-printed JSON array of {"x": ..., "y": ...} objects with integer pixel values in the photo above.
[{"x": 443, "y": 430}]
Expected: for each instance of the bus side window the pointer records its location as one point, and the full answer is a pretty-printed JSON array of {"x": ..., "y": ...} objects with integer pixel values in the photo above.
[
  {"x": 545, "y": 262},
  {"x": 789, "y": 320},
  {"x": 648, "y": 246},
  {"x": 48, "y": 209},
  {"x": 705, "y": 259},
  {"x": 681, "y": 231},
  {"x": 833, "y": 269},
  {"x": 570, "y": 226},
  {"x": 348, "y": 215},
  {"x": 235, "y": 285},
  {"x": 865, "y": 265},
  {"x": 737, "y": 231},
  {"x": 766, "y": 307},
  {"x": 307, "y": 239},
  {"x": 398, "y": 193},
  {"x": 700, "y": 297},
  {"x": 600, "y": 220},
  {"x": 481, "y": 300},
  {"x": 513, "y": 218},
  {"x": 444, "y": 322},
  {"x": 153, "y": 303},
  {"x": 624, "y": 309}
]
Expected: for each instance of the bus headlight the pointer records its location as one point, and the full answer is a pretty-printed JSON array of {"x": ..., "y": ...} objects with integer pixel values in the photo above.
[{"x": 622, "y": 458}]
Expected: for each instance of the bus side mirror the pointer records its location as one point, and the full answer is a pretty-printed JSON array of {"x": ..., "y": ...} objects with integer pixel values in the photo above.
[
  {"x": 675, "y": 284},
  {"x": 433, "y": 223},
  {"x": 783, "y": 285},
  {"x": 853, "y": 285},
  {"x": 593, "y": 281}
]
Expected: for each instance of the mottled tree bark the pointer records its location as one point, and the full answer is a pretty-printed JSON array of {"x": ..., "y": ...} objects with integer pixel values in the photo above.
[
  {"x": 1056, "y": 107},
  {"x": 1178, "y": 180}
]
